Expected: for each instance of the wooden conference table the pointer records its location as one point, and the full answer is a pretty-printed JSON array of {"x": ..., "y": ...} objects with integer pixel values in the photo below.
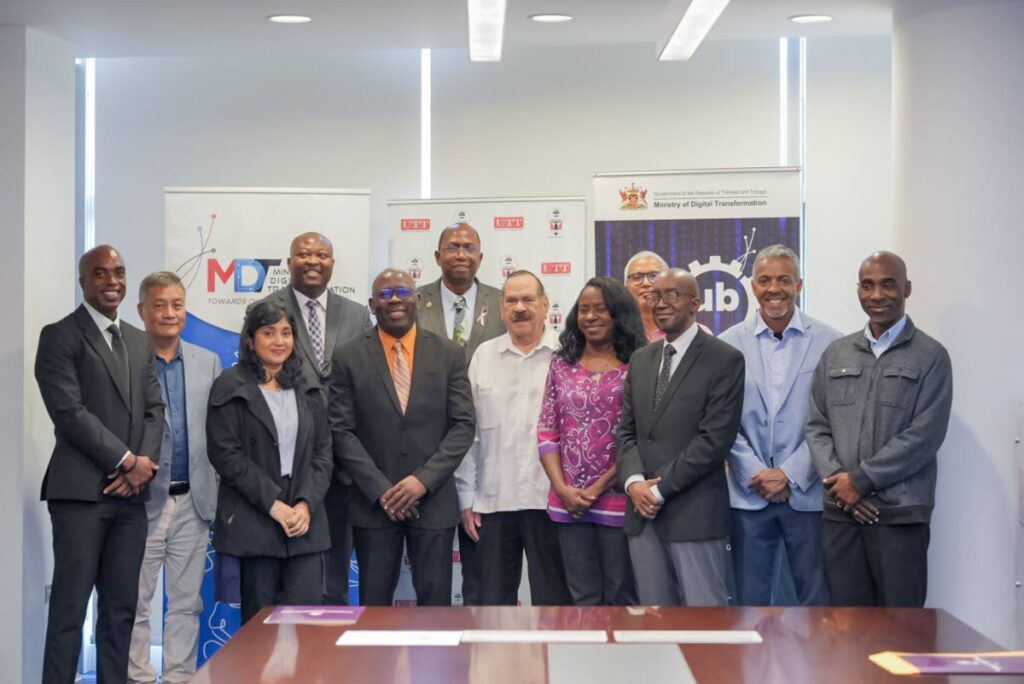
[{"x": 827, "y": 645}]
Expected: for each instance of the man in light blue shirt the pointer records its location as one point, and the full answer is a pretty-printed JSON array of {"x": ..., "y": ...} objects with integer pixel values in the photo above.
[{"x": 774, "y": 489}]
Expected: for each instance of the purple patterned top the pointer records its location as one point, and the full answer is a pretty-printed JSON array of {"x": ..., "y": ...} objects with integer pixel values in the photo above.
[{"x": 578, "y": 418}]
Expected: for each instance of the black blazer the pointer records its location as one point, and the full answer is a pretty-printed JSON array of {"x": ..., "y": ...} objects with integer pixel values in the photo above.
[
  {"x": 96, "y": 419},
  {"x": 241, "y": 442},
  {"x": 686, "y": 440},
  {"x": 378, "y": 446}
]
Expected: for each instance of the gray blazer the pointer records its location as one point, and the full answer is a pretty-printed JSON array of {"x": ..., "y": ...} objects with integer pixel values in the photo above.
[
  {"x": 201, "y": 369},
  {"x": 488, "y": 308},
  {"x": 346, "y": 319},
  {"x": 686, "y": 440}
]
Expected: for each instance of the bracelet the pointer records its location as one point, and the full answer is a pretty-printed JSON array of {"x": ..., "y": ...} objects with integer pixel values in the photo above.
[{"x": 134, "y": 463}]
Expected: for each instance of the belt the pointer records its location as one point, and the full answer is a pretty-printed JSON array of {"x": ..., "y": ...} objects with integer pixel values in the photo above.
[{"x": 178, "y": 488}]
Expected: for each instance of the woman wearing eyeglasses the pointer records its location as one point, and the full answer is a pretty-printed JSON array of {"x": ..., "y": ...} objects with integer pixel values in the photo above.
[
  {"x": 576, "y": 432},
  {"x": 268, "y": 440},
  {"x": 641, "y": 270}
]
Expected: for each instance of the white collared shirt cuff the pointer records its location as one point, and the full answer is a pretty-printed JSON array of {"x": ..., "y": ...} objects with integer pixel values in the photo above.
[
  {"x": 657, "y": 494},
  {"x": 631, "y": 479},
  {"x": 126, "y": 455}
]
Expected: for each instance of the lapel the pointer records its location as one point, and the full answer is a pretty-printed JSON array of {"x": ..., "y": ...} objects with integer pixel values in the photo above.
[
  {"x": 801, "y": 343},
  {"x": 304, "y": 430},
  {"x": 376, "y": 351},
  {"x": 483, "y": 309},
  {"x": 301, "y": 334},
  {"x": 644, "y": 375},
  {"x": 195, "y": 402},
  {"x": 431, "y": 311},
  {"x": 419, "y": 367},
  {"x": 258, "y": 407},
  {"x": 333, "y": 325},
  {"x": 95, "y": 339},
  {"x": 685, "y": 364},
  {"x": 752, "y": 350}
]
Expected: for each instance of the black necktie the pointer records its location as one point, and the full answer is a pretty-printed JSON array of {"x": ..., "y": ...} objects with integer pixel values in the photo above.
[
  {"x": 665, "y": 374},
  {"x": 120, "y": 354}
]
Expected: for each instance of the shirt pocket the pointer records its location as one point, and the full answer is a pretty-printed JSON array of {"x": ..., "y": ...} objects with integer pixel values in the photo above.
[
  {"x": 898, "y": 386},
  {"x": 488, "y": 408},
  {"x": 843, "y": 382}
]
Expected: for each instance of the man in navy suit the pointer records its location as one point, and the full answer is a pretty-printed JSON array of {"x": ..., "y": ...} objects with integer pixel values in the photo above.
[
  {"x": 99, "y": 385},
  {"x": 774, "y": 489}
]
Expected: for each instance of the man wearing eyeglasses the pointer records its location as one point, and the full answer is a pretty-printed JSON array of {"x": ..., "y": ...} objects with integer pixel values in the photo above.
[
  {"x": 681, "y": 411},
  {"x": 468, "y": 312},
  {"x": 402, "y": 420}
]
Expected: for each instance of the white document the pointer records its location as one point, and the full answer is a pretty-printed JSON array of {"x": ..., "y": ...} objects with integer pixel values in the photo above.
[
  {"x": 538, "y": 636},
  {"x": 365, "y": 637},
  {"x": 687, "y": 636},
  {"x": 617, "y": 663}
]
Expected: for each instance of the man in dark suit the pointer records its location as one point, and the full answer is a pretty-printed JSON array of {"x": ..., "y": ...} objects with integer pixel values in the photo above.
[
  {"x": 402, "y": 420},
  {"x": 680, "y": 414},
  {"x": 445, "y": 309},
  {"x": 324, "y": 321},
  {"x": 99, "y": 384}
]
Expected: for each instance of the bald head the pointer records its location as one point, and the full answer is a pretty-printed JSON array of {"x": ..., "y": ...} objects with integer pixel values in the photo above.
[
  {"x": 101, "y": 275},
  {"x": 459, "y": 256},
  {"x": 883, "y": 288},
  {"x": 311, "y": 264},
  {"x": 674, "y": 300},
  {"x": 394, "y": 301}
]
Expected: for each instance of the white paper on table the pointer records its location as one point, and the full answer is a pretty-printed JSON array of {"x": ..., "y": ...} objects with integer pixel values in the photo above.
[
  {"x": 687, "y": 636},
  {"x": 536, "y": 636},
  {"x": 374, "y": 637}
]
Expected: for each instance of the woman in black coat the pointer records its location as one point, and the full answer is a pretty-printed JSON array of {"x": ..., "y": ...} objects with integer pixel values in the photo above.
[{"x": 268, "y": 440}]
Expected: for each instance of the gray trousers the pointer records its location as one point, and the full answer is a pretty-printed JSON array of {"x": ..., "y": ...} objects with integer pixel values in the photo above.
[
  {"x": 177, "y": 541},
  {"x": 696, "y": 573}
]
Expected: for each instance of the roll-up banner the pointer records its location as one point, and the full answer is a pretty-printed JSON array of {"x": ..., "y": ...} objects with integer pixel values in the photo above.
[
  {"x": 544, "y": 235},
  {"x": 230, "y": 248},
  {"x": 709, "y": 222}
]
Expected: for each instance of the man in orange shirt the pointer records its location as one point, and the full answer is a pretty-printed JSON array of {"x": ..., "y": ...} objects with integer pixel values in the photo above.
[{"x": 402, "y": 419}]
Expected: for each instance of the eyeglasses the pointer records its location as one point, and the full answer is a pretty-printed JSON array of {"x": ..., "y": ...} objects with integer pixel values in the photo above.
[
  {"x": 453, "y": 248},
  {"x": 668, "y": 296},
  {"x": 387, "y": 293},
  {"x": 637, "y": 278}
]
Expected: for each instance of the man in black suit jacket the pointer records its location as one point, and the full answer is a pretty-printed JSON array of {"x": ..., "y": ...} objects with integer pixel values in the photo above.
[
  {"x": 324, "y": 322},
  {"x": 680, "y": 413},
  {"x": 461, "y": 308},
  {"x": 402, "y": 419},
  {"x": 98, "y": 381}
]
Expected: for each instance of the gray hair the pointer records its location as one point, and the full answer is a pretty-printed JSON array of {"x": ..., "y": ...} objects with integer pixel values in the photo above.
[
  {"x": 778, "y": 251},
  {"x": 158, "y": 279},
  {"x": 641, "y": 255}
]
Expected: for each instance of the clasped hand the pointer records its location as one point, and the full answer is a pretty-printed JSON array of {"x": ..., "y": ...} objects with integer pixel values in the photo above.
[
  {"x": 644, "y": 501},
  {"x": 842, "y": 489},
  {"x": 294, "y": 520},
  {"x": 131, "y": 481},
  {"x": 399, "y": 501}
]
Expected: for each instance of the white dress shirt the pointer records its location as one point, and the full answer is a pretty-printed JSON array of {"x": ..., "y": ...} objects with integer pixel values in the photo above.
[
  {"x": 682, "y": 344},
  {"x": 448, "y": 307},
  {"x": 885, "y": 340},
  {"x": 501, "y": 472},
  {"x": 102, "y": 322}
]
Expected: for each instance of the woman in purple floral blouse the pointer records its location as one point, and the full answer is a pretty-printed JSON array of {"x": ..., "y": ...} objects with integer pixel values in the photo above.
[{"x": 576, "y": 432}]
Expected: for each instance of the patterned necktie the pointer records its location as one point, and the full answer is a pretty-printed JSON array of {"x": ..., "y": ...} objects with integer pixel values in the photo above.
[
  {"x": 402, "y": 377},
  {"x": 458, "y": 331},
  {"x": 316, "y": 333},
  {"x": 120, "y": 354},
  {"x": 665, "y": 374}
]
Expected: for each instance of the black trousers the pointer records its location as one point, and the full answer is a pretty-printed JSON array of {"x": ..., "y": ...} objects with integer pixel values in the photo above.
[
  {"x": 379, "y": 552},
  {"x": 337, "y": 558},
  {"x": 504, "y": 537},
  {"x": 267, "y": 581},
  {"x": 97, "y": 544},
  {"x": 470, "y": 569},
  {"x": 598, "y": 568},
  {"x": 877, "y": 565}
]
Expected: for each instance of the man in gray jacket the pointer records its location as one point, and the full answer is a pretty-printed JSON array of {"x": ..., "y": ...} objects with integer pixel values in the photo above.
[{"x": 879, "y": 410}]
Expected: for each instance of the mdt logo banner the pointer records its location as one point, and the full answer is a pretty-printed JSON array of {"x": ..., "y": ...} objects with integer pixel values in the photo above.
[
  {"x": 416, "y": 224},
  {"x": 509, "y": 222},
  {"x": 246, "y": 275},
  {"x": 556, "y": 267}
]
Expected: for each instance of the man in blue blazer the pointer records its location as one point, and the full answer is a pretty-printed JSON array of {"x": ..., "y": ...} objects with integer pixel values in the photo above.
[
  {"x": 183, "y": 495},
  {"x": 774, "y": 489}
]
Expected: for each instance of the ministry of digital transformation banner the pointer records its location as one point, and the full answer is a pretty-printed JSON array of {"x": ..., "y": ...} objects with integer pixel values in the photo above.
[
  {"x": 544, "y": 235},
  {"x": 712, "y": 223},
  {"x": 230, "y": 247}
]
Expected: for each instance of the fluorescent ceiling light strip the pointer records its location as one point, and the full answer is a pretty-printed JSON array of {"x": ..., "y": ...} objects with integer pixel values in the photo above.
[
  {"x": 89, "y": 152},
  {"x": 694, "y": 25},
  {"x": 486, "y": 29},
  {"x": 425, "y": 124},
  {"x": 783, "y": 101}
]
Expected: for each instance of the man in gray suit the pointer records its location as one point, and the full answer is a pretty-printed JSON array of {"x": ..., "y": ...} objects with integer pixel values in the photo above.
[
  {"x": 467, "y": 312},
  {"x": 183, "y": 495},
  {"x": 324, "y": 321},
  {"x": 681, "y": 411}
]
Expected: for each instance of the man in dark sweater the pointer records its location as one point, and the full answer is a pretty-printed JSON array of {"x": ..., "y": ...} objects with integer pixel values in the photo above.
[{"x": 879, "y": 410}]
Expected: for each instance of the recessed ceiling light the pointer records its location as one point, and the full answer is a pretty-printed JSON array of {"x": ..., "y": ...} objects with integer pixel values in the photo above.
[
  {"x": 551, "y": 18},
  {"x": 289, "y": 19},
  {"x": 486, "y": 29},
  {"x": 811, "y": 19}
]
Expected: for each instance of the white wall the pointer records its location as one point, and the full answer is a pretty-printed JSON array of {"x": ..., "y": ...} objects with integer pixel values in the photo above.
[{"x": 848, "y": 170}]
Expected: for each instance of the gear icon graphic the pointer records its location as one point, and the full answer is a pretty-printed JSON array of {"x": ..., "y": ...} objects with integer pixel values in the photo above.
[{"x": 733, "y": 268}]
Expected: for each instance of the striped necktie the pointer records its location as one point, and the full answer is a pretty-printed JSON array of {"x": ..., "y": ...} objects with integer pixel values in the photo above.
[{"x": 401, "y": 375}]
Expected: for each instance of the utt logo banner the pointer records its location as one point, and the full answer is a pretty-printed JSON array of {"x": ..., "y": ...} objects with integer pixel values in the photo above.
[
  {"x": 509, "y": 222},
  {"x": 408, "y": 224}
]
